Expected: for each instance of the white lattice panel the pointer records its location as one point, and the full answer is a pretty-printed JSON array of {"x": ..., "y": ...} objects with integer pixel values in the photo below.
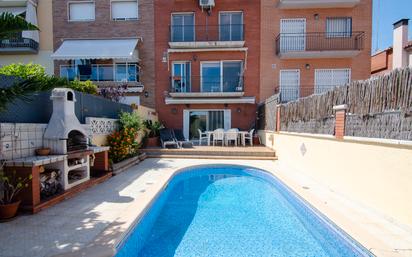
[{"x": 101, "y": 126}]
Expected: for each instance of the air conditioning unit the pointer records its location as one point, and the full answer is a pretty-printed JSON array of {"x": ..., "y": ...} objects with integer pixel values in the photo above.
[{"x": 206, "y": 4}]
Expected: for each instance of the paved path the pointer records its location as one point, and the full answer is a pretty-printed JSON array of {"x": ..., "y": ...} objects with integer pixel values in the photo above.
[{"x": 103, "y": 213}]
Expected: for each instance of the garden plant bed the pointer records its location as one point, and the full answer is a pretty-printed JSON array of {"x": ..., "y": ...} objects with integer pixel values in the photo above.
[{"x": 125, "y": 164}]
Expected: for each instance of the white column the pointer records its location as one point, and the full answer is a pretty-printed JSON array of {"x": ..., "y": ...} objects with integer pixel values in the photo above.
[{"x": 31, "y": 16}]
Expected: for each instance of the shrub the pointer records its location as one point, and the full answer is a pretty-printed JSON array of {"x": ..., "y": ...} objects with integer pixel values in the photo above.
[
  {"x": 24, "y": 71},
  {"x": 130, "y": 121},
  {"x": 122, "y": 144},
  {"x": 87, "y": 87}
]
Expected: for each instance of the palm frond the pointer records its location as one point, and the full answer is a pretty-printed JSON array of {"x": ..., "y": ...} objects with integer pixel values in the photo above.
[
  {"x": 25, "y": 90},
  {"x": 10, "y": 24}
]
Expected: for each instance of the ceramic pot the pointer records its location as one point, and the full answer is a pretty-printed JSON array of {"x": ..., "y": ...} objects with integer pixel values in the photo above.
[{"x": 8, "y": 211}]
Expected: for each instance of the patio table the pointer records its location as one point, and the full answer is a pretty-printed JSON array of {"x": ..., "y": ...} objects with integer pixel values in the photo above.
[{"x": 242, "y": 135}]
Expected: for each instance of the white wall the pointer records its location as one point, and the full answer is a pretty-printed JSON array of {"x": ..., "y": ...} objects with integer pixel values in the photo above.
[
  {"x": 377, "y": 175},
  {"x": 43, "y": 58}
]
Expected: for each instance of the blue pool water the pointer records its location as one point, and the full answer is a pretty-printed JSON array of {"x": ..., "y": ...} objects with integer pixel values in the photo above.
[{"x": 233, "y": 211}]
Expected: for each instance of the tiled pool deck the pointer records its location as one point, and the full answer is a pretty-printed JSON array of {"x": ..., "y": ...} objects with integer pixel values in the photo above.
[{"x": 96, "y": 219}]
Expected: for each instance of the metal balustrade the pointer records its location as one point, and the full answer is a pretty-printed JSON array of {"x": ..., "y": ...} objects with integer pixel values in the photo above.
[{"x": 319, "y": 41}]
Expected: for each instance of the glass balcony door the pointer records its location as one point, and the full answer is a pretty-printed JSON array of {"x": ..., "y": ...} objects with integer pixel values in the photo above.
[
  {"x": 183, "y": 29},
  {"x": 231, "y": 26},
  {"x": 211, "y": 77},
  {"x": 225, "y": 76},
  {"x": 181, "y": 81}
]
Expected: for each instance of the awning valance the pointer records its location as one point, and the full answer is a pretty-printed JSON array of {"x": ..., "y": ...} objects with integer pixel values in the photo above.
[{"x": 97, "y": 49}]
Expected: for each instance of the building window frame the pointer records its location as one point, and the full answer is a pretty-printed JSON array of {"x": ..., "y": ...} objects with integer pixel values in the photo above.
[
  {"x": 124, "y": 19},
  {"x": 221, "y": 74},
  {"x": 194, "y": 24},
  {"x": 80, "y": 2},
  {"x": 242, "y": 32},
  {"x": 339, "y": 34}
]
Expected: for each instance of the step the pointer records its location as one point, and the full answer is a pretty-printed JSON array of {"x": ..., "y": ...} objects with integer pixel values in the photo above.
[{"x": 215, "y": 157}]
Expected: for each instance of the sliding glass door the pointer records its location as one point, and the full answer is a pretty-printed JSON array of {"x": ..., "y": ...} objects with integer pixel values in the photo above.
[
  {"x": 224, "y": 76},
  {"x": 205, "y": 120}
]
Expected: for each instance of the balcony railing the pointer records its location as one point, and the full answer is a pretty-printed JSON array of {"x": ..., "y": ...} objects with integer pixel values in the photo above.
[
  {"x": 305, "y": 4},
  {"x": 207, "y": 84},
  {"x": 101, "y": 72},
  {"x": 319, "y": 41},
  {"x": 197, "y": 33},
  {"x": 17, "y": 43}
]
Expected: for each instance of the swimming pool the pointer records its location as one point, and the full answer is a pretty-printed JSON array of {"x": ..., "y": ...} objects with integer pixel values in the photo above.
[{"x": 233, "y": 211}]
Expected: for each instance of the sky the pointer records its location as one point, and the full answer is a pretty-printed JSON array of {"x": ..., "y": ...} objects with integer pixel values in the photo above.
[{"x": 385, "y": 13}]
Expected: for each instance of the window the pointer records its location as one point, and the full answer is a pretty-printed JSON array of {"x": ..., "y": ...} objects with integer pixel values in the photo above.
[
  {"x": 205, "y": 120},
  {"x": 339, "y": 27},
  {"x": 292, "y": 35},
  {"x": 81, "y": 11},
  {"x": 327, "y": 79},
  {"x": 231, "y": 26},
  {"x": 183, "y": 27},
  {"x": 127, "y": 72},
  {"x": 181, "y": 77},
  {"x": 225, "y": 76},
  {"x": 289, "y": 85},
  {"x": 124, "y": 10}
]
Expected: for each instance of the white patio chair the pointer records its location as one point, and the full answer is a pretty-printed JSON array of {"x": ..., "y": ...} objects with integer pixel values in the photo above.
[
  {"x": 219, "y": 135},
  {"x": 202, "y": 135},
  {"x": 249, "y": 136},
  {"x": 231, "y": 136}
]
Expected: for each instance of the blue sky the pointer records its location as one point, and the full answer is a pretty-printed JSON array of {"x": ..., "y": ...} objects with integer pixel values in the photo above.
[{"x": 385, "y": 13}]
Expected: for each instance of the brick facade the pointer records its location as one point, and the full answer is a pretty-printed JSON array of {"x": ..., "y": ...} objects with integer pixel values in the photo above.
[
  {"x": 103, "y": 27},
  {"x": 271, "y": 64},
  {"x": 242, "y": 115}
]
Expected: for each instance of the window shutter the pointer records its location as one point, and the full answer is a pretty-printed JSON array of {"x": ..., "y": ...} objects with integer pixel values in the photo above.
[
  {"x": 339, "y": 27},
  {"x": 327, "y": 79},
  {"x": 124, "y": 10},
  {"x": 82, "y": 11}
]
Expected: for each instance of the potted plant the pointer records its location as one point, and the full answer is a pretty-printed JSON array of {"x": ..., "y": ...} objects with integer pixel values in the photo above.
[
  {"x": 11, "y": 186},
  {"x": 153, "y": 129}
]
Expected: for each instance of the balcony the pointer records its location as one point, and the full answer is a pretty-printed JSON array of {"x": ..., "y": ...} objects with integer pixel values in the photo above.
[
  {"x": 193, "y": 36},
  {"x": 16, "y": 44},
  {"x": 101, "y": 72},
  {"x": 105, "y": 74},
  {"x": 319, "y": 45},
  {"x": 312, "y": 4},
  {"x": 208, "y": 90}
]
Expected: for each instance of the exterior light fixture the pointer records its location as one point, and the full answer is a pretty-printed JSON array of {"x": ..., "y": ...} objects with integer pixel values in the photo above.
[
  {"x": 146, "y": 94},
  {"x": 238, "y": 110},
  {"x": 164, "y": 58},
  {"x": 316, "y": 16},
  {"x": 307, "y": 66}
]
